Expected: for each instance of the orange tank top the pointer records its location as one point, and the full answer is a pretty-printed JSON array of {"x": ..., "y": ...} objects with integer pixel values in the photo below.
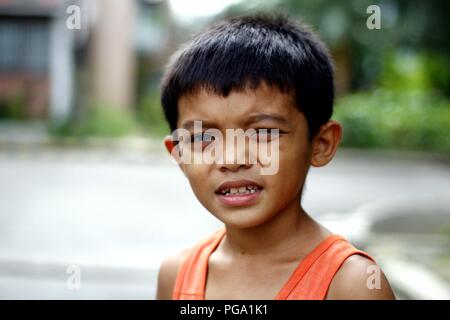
[{"x": 309, "y": 281}]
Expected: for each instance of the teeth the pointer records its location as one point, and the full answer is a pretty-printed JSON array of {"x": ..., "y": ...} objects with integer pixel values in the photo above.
[{"x": 239, "y": 191}]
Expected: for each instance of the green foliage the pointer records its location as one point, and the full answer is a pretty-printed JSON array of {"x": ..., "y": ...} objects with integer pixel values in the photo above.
[
  {"x": 104, "y": 121},
  {"x": 150, "y": 114},
  {"x": 99, "y": 121},
  {"x": 12, "y": 106},
  {"x": 404, "y": 71},
  {"x": 420, "y": 26},
  {"x": 413, "y": 120},
  {"x": 407, "y": 70}
]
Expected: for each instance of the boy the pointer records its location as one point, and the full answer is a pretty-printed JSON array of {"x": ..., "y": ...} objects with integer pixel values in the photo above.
[{"x": 274, "y": 79}]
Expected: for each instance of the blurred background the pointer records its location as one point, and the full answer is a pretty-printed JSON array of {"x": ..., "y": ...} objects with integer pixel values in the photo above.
[{"x": 89, "y": 201}]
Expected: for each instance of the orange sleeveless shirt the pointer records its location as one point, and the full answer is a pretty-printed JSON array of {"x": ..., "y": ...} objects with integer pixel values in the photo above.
[{"x": 309, "y": 281}]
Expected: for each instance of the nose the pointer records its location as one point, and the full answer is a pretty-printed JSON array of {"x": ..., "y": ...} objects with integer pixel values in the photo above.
[
  {"x": 235, "y": 158},
  {"x": 234, "y": 166}
]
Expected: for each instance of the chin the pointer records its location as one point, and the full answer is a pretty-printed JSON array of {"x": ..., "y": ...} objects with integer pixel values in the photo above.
[{"x": 243, "y": 218}]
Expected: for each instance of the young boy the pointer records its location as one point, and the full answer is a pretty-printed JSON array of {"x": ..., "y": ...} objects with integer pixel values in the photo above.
[{"x": 273, "y": 78}]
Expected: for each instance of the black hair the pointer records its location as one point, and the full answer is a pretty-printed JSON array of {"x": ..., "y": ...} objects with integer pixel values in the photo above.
[{"x": 239, "y": 53}]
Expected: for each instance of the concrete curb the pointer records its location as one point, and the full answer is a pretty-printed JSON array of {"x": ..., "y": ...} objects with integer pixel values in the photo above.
[
  {"x": 411, "y": 279},
  {"x": 138, "y": 144},
  {"x": 405, "y": 277}
]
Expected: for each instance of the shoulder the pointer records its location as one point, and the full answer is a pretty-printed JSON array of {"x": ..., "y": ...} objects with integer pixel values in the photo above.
[
  {"x": 168, "y": 273},
  {"x": 359, "y": 278}
]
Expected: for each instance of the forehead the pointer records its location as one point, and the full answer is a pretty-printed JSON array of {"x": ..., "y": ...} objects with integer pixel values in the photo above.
[{"x": 237, "y": 107}]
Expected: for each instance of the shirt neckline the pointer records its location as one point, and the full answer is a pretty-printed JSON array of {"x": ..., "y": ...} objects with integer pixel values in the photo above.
[{"x": 296, "y": 275}]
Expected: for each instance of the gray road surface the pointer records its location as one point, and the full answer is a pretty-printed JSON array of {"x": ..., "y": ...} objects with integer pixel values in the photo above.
[{"x": 117, "y": 215}]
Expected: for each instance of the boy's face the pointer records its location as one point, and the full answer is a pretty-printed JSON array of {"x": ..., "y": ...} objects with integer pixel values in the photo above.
[{"x": 263, "y": 108}]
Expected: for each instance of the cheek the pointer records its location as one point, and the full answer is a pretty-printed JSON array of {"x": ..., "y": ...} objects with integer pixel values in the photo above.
[
  {"x": 198, "y": 178},
  {"x": 293, "y": 166}
]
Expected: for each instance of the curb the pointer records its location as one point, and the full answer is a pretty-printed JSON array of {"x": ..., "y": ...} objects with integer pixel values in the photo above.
[{"x": 411, "y": 279}]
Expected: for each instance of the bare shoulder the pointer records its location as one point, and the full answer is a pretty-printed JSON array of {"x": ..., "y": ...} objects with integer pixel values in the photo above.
[
  {"x": 359, "y": 278},
  {"x": 167, "y": 275}
]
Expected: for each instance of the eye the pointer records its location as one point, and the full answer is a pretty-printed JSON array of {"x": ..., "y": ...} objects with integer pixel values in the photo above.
[
  {"x": 267, "y": 134},
  {"x": 202, "y": 137}
]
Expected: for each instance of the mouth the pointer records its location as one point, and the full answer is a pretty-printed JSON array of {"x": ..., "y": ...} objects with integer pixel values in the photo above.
[{"x": 238, "y": 193}]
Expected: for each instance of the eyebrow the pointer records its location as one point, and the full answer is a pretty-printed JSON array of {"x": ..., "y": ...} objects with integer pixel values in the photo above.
[
  {"x": 254, "y": 118},
  {"x": 266, "y": 116},
  {"x": 189, "y": 124}
]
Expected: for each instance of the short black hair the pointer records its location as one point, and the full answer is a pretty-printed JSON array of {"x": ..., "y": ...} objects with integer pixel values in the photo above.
[{"x": 238, "y": 53}]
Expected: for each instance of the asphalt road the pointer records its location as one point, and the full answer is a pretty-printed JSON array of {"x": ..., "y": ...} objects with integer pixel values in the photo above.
[{"x": 116, "y": 215}]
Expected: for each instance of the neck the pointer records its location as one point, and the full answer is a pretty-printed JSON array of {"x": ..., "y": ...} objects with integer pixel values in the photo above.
[{"x": 280, "y": 234}]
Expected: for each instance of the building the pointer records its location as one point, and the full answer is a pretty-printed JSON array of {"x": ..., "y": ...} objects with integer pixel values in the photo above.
[{"x": 48, "y": 67}]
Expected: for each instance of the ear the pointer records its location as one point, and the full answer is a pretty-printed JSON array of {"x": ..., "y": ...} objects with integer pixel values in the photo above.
[
  {"x": 169, "y": 143},
  {"x": 173, "y": 150},
  {"x": 325, "y": 143}
]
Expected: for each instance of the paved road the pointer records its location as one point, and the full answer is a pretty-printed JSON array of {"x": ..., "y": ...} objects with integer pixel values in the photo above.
[{"x": 117, "y": 215}]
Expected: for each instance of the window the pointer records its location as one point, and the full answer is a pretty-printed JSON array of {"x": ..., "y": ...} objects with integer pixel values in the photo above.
[{"x": 24, "y": 44}]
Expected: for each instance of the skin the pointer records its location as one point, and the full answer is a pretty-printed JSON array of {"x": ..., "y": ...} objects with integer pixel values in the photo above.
[{"x": 275, "y": 231}]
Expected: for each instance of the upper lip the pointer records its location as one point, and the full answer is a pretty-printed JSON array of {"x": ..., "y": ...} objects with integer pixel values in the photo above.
[{"x": 236, "y": 184}]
